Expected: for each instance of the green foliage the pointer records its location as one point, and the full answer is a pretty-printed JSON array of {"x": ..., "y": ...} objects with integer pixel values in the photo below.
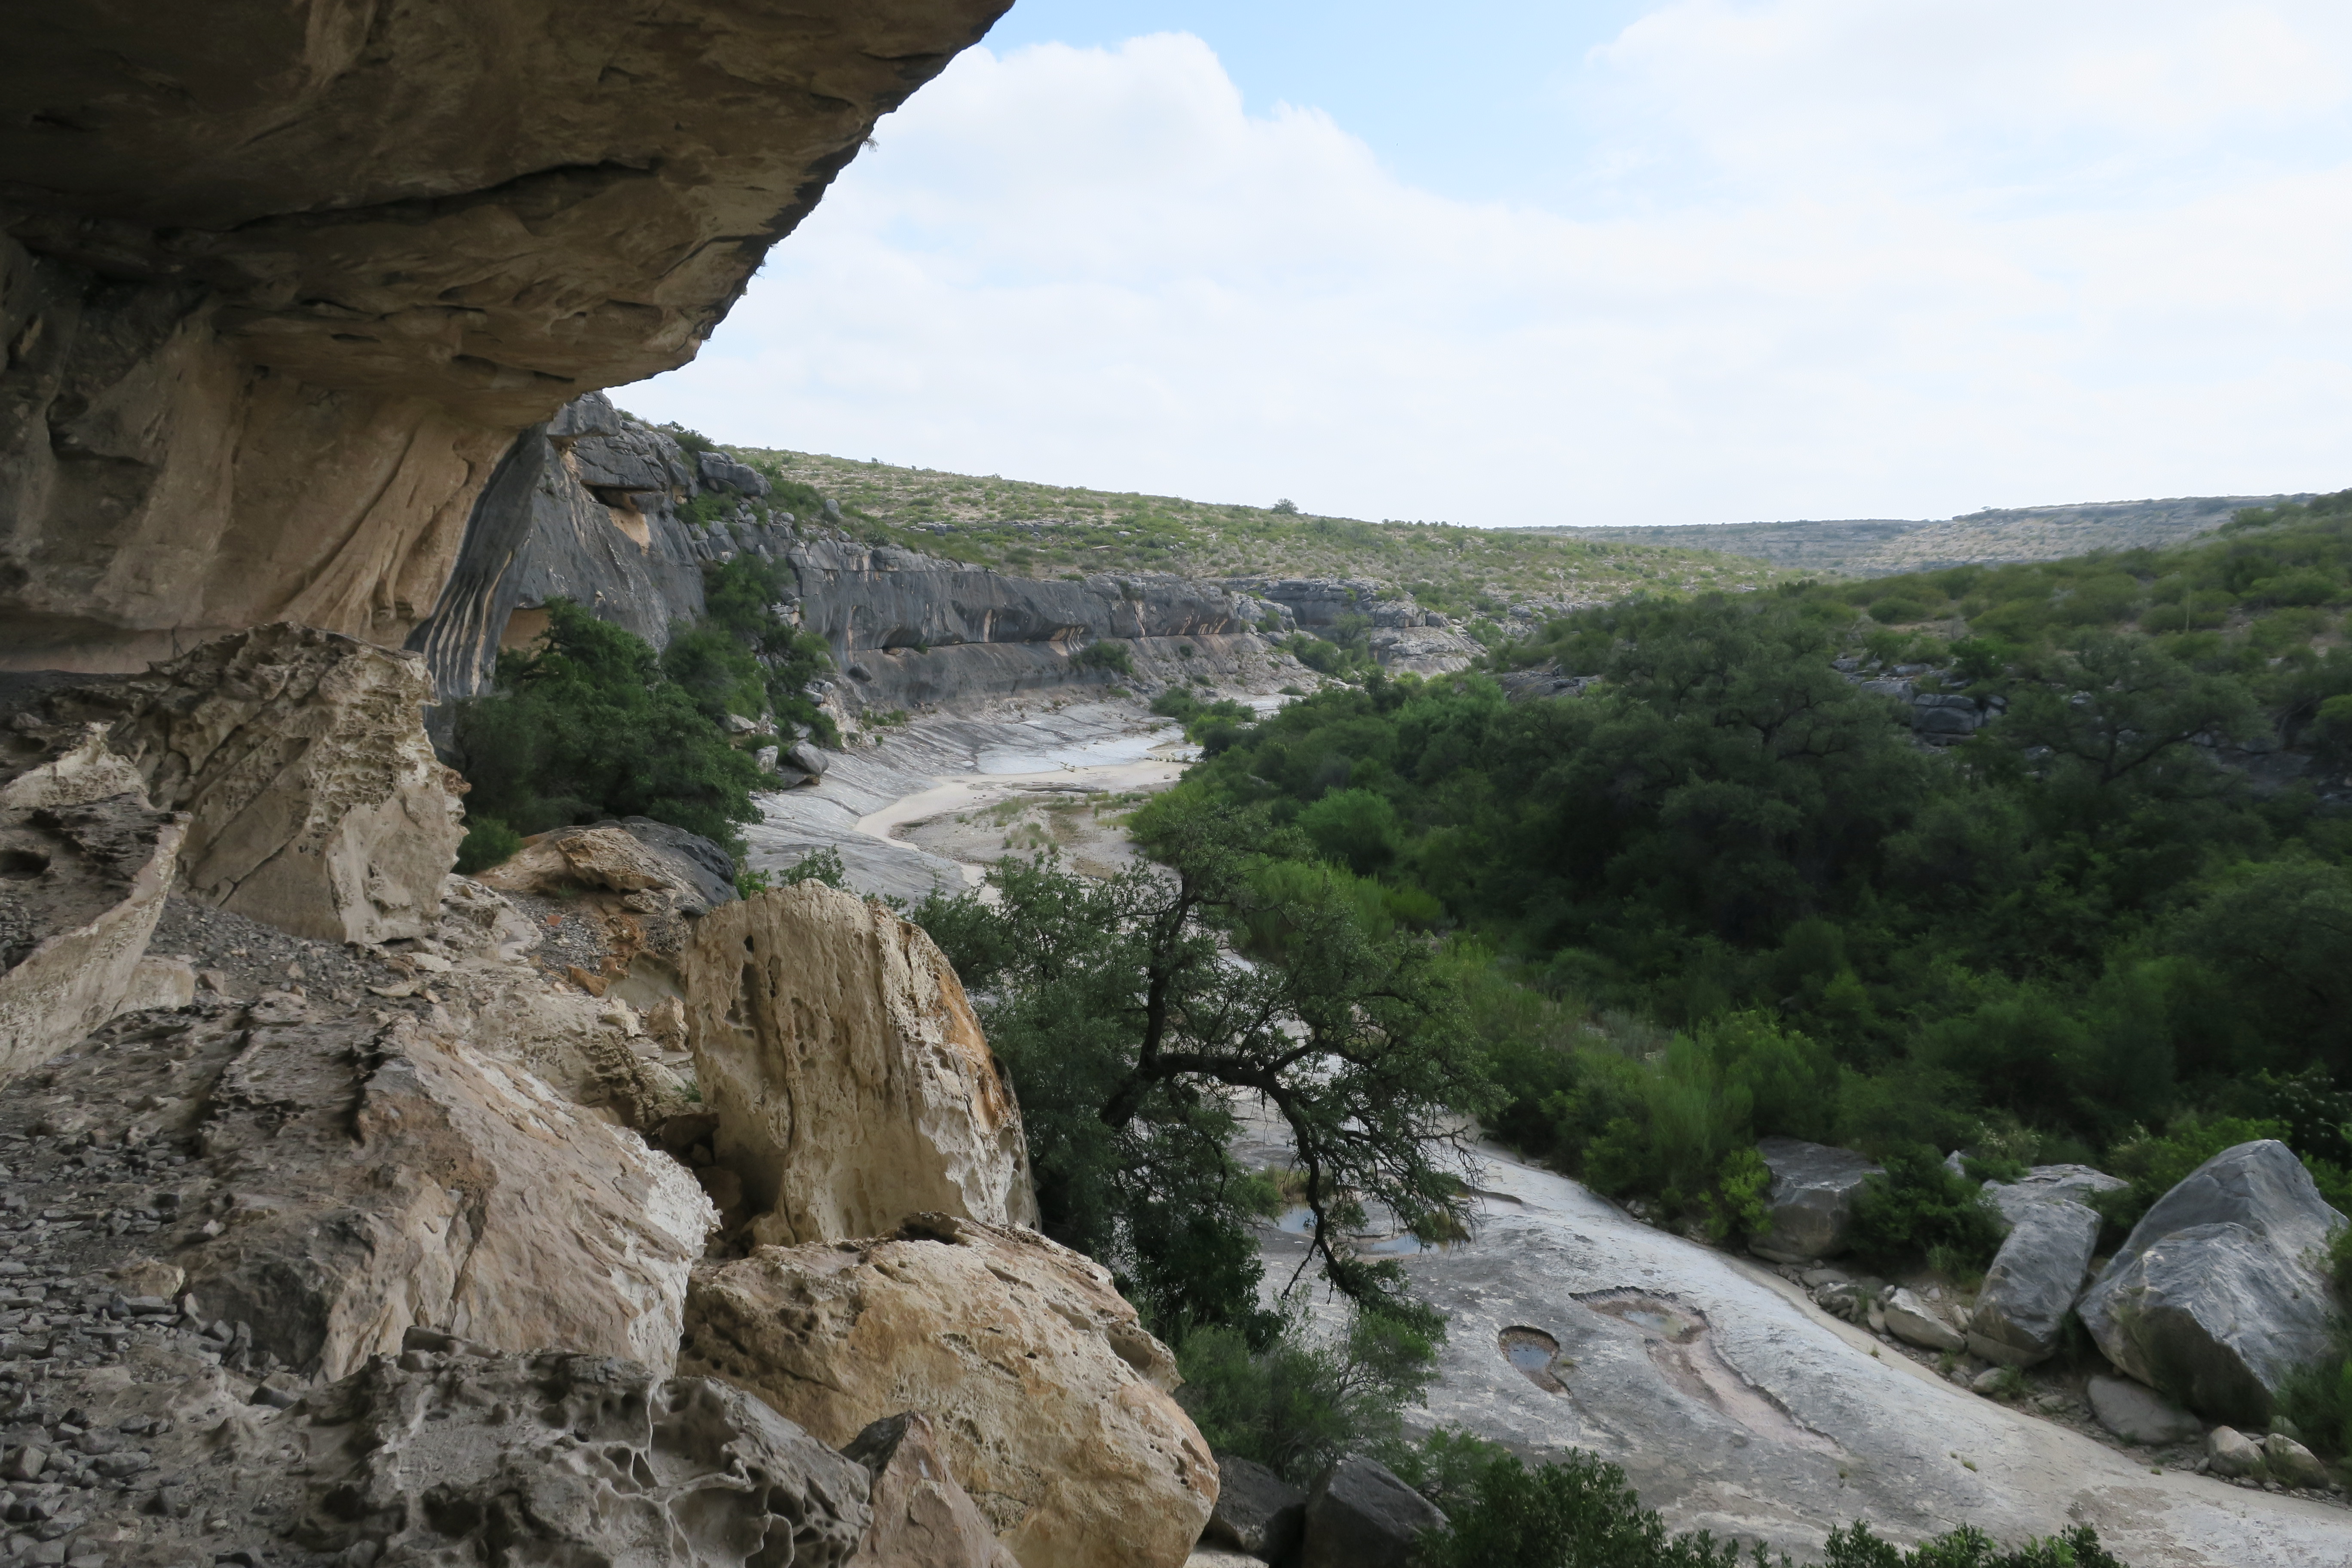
[
  {"x": 1122, "y": 1015},
  {"x": 819, "y": 865},
  {"x": 2318, "y": 1397},
  {"x": 1108, "y": 654},
  {"x": 739, "y": 600},
  {"x": 1577, "y": 1512},
  {"x": 1919, "y": 1207},
  {"x": 487, "y": 842},
  {"x": 587, "y": 725},
  {"x": 1296, "y": 1403}
]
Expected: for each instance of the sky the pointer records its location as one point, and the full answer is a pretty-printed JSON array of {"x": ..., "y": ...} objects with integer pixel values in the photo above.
[{"x": 1624, "y": 261}]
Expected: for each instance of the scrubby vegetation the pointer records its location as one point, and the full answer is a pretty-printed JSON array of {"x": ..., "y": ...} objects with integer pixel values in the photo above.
[
  {"x": 1725, "y": 893},
  {"x": 591, "y": 722}
]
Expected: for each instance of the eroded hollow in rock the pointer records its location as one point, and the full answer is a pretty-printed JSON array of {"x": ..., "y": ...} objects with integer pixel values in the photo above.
[
  {"x": 1680, "y": 1347},
  {"x": 1534, "y": 1354}
]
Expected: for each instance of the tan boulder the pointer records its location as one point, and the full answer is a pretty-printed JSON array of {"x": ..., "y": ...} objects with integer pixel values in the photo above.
[
  {"x": 851, "y": 1081},
  {"x": 314, "y": 800},
  {"x": 921, "y": 1518},
  {"x": 85, "y": 863},
  {"x": 1051, "y": 1402}
]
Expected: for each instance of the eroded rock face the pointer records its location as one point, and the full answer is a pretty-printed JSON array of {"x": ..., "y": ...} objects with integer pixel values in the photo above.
[
  {"x": 921, "y": 1518},
  {"x": 1051, "y": 1402},
  {"x": 280, "y": 288},
  {"x": 314, "y": 801},
  {"x": 85, "y": 864},
  {"x": 1812, "y": 1201},
  {"x": 2214, "y": 1298},
  {"x": 450, "y": 1455},
  {"x": 851, "y": 1081}
]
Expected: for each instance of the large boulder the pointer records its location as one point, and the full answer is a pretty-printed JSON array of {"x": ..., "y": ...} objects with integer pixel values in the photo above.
[
  {"x": 2138, "y": 1416},
  {"x": 451, "y": 1454},
  {"x": 314, "y": 801},
  {"x": 851, "y": 1081},
  {"x": 2215, "y": 1297},
  {"x": 1051, "y": 1402},
  {"x": 1257, "y": 1512},
  {"x": 635, "y": 856},
  {"x": 1913, "y": 1321},
  {"x": 85, "y": 864},
  {"x": 2033, "y": 1281},
  {"x": 921, "y": 1518},
  {"x": 2071, "y": 1184},
  {"x": 1359, "y": 1515},
  {"x": 1811, "y": 1199}
]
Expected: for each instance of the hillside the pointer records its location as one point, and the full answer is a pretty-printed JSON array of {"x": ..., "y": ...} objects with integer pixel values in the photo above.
[
  {"x": 1877, "y": 547},
  {"x": 1047, "y": 531}
]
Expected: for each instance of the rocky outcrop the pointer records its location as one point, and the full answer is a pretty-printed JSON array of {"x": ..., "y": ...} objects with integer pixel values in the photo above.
[
  {"x": 850, "y": 1080},
  {"x": 85, "y": 863},
  {"x": 2033, "y": 1280},
  {"x": 1257, "y": 1512},
  {"x": 280, "y": 290},
  {"x": 453, "y": 1455},
  {"x": 1050, "y": 1400},
  {"x": 921, "y": 1518},
  {"x": 1811, "y": 1199},
  {"x": 314, "y": 802},
  {"x": 2011, "y": 1201},
  {"x": 2215, "y": 1297},
  {"x": 676, "y": 875}
]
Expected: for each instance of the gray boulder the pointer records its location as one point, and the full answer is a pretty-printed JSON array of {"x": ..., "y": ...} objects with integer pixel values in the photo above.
[
  {"x": 1360, "y": 1515},
  {"x": 2291, "y": 1464},
  {"x": 1257, "y": 1512},
  {"x": 2033, "y": 1281},
  {"x": 2232, "y": 1452},
  {"x": 2075, "y": 1183},
  {"x": 702, "y": 864},
  {"x": 809, "y": 757},
  {"x": 718, "y": 471},
  {"x": 2215, "y": 1297},
  {"x": 2137, "y": 1415},
  {"x": 1914, "y": 1321},
  {"x": 1812, "y": 1201}
]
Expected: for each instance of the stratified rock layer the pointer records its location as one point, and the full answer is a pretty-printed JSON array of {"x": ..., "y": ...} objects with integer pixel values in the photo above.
[
  {"x": 281, "y": 284},
  {"x": 1050, "y": 1400},
  {"x": 2215, "y": 1297},
  {"x": 851, "y": 1081}
]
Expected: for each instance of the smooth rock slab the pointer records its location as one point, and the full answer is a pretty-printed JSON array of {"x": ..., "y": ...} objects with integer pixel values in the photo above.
[
  {"x": 2140, "y": 1415},
  {"x": 2213, "y": 1296},
  {"x": 1360, "y": 1515},
  {"x": 1812, "y": 1201},
  {"x": 2033, "y": 1283},
  {"x": 2045, "y": 1183}
]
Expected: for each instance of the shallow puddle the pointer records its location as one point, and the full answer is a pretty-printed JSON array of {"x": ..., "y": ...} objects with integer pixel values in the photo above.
[{"x": 1534, "y": 1354}]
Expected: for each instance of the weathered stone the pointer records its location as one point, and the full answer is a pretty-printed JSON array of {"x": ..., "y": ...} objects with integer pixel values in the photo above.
[
  {"x": 82, "y": 887},
  {"x": 2138, "y": 1415},
  {"x": 1914, "y": 1321},
  {"x": 921, "y": 1518},
  {"x": 1257, "y": 1512},
  {"x": 159, "y": 982},
  {"x": 2233, "y": 1452},
  {"x": 451, "y": 1456},
  {"x": 290, "y": 284},
  {"x": 611, "y": 859},
  {"x": 2291, "y": 1464},
  {"x": 1360, "y": 1515},
  {"x": 850, "y": 1079},
  {"x": 1812, "y": 1200},
  {"x": 1051, "y": 1401},
  {"x": 2214, "y": 1297},
  {"x": 2033, "y": 1280},
  {"x": 2043, "y": 1184}
]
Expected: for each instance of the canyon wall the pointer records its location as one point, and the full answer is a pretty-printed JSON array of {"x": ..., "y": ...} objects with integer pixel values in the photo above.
[{"x": 280, "y": 284}]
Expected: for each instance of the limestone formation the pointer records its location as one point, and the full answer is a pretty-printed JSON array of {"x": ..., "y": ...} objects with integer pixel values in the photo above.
[
  {"x": 1050, "y": 1400},
  {"x": 314, "y": 801},
  {"x": 2215, "y": 1297},
  {"x": 849, "y": 1076},
  {"x": 85, "y": 864},
  {"x": 1811, "y": 1199},
  {"x": 453, "y": 1455},
  {"x": 615, "y": 859},
  {"x": 2033, "y": 1280},
  {"x": 280, "y": 288},
  {"x": 921, "y": 1518}
]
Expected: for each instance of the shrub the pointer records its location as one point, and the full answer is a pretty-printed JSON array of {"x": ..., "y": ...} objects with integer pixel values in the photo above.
[
  {"x": 821, "y": 865},
  {"x": 1108, "y": 654},
  {"x": 487, "y": 842},
  {"x": 1300, "y": 1403},
  {"x": 1919, "y": 1207},
  {"x": 2318, "y": 1397}
]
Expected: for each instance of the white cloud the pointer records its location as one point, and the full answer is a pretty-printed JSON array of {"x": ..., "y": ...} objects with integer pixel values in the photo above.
[{"x": 1833, "y": 265}]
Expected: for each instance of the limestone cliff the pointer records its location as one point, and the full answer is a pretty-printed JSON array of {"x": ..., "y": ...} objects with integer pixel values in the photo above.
[{"x": 280, "y": 283}]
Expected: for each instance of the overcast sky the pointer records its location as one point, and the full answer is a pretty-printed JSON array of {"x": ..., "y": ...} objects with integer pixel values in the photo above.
[{"x": 1517, "y": 263}]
